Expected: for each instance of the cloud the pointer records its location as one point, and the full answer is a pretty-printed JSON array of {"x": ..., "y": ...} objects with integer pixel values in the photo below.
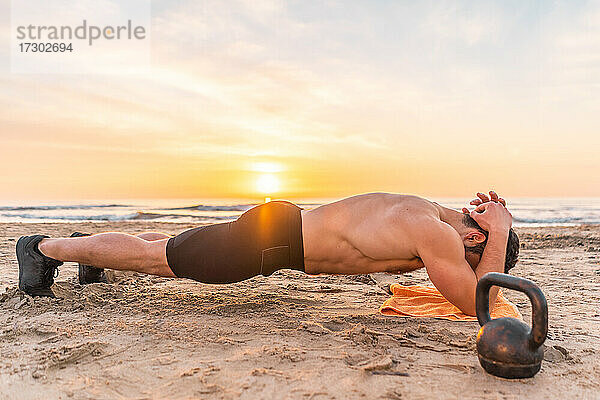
[
  {"x": 466, "y": 23},
  {"x": 386, "y": 83}
]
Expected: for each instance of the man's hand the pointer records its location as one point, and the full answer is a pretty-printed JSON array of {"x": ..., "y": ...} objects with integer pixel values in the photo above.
[
  {"x": 492, "y": 216},
  {"x": 483, "y": 198}
]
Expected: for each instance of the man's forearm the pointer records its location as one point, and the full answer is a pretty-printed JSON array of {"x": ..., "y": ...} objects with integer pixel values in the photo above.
[{"x": 493, "y": 258}]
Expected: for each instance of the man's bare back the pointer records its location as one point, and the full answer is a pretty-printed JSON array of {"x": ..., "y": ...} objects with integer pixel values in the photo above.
[{"x": 366, "y": 233}]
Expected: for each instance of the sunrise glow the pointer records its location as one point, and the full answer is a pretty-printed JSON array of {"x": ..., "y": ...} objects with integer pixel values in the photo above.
[
  {"x": 267, "y": 184},
  {"x": 278, "y": 98}
]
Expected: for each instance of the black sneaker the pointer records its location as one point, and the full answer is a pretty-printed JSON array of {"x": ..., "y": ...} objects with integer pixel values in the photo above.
[
  {"x": 88, "y": 273},
  {"x": 36, "y": 271}
]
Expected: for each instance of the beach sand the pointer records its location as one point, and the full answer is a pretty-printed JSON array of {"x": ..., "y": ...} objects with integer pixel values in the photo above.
[{"x": 288, "y": 336}]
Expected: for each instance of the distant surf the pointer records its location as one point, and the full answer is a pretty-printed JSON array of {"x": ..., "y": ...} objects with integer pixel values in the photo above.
[{"x": 526, "y": 212}]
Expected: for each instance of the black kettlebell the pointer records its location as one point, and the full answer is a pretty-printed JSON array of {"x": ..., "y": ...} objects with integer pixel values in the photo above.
[{"x": 506, "y": 346}]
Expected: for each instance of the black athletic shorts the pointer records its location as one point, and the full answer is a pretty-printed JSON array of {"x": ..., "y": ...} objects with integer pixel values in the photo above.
[{"x": 264, "y": 239}]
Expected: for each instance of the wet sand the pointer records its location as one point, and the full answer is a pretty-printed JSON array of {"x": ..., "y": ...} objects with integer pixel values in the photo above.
[{"x": 288, "y": 336}]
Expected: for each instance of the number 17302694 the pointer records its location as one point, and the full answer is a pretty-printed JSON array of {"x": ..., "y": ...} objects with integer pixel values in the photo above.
[{"x": 45, "y": 47}]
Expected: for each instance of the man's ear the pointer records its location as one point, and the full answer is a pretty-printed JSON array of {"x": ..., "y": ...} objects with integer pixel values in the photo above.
[{"x": 474, "y": 238}]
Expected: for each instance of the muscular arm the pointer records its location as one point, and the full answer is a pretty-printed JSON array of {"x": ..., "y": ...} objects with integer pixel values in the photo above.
[
  {"x": 442, "y": 251},
  {"x": 492, "y": 259}
]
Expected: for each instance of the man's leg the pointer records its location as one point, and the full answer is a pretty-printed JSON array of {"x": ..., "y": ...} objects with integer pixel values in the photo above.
[
  {"x": 91, "y": 274},
  {"x": 263, "y": 240},
  {"x": 113, "y": 250}
]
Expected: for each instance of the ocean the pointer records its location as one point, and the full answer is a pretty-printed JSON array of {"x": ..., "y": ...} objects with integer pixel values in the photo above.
[{"x": 526, "y": 212}]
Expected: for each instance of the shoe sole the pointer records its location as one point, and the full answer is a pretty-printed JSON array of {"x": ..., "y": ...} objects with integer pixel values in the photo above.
[
  {"x": 21, "y": 243},
  {"x": 18, "y": 251}
]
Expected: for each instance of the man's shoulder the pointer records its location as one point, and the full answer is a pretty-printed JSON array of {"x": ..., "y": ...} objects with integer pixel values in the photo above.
[
  {"x": 429, "y": 230},
  {"x": 413, "y": 208},
  {"x": 419, "y": 219}
]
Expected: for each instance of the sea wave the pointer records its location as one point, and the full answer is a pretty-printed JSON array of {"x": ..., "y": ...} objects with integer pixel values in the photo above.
[
  {"x": 232, "y": 207},
  {"x": 137, "y": 216},
  {"x": 63, "y": 207},
  {"x": 557, "y": 220},
  {"x": 141, "y": 215},
  {"x": 534, "y": 212},
  {"x": 102, "y": 217},
  {"x": 202, "y": 207}
]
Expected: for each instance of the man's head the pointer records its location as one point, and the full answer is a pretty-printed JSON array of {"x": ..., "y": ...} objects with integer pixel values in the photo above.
[{"x": 476, "y": 239}]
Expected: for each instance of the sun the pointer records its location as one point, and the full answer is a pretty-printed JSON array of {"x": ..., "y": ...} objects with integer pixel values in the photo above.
[{"x": 267, "y": 184}]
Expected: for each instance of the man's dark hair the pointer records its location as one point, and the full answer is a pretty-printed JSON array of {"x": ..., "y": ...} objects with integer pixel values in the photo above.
[{"x": 512, "y": 247}]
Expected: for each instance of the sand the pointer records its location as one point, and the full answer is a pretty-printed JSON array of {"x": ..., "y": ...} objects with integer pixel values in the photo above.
[{"x": 289, "y": 336}]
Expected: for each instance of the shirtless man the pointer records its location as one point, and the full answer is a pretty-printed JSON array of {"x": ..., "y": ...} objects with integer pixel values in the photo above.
[{"x": 376, "y": 232}]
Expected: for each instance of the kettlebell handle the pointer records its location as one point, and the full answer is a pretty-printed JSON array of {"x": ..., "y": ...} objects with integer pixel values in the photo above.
[{"x": 539, "y": 312}]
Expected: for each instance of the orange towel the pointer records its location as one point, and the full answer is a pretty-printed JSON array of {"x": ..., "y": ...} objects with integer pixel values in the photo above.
[{"x": 424, "y": 301}]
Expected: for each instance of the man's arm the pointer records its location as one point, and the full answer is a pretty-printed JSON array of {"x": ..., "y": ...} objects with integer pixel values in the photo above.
[
  {"x": 492, "y": 259},
  {"x": 442, "y": 252}
]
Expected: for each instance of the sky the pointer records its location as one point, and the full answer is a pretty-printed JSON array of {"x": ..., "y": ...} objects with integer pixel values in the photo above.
[{"x": 319, "y": 99}]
